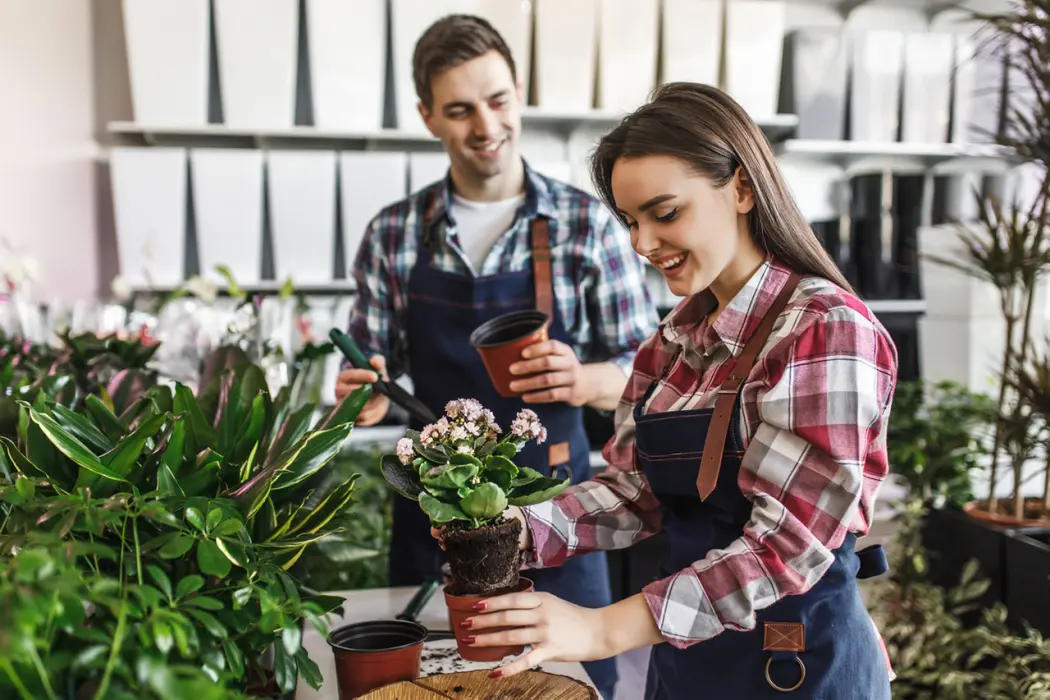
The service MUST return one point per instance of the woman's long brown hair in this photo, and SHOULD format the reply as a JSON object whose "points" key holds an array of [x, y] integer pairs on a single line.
{"points": [[706, 129]]}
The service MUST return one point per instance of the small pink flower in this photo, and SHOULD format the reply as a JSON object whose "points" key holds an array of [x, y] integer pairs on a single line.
{"points": [[405, 450], [526, 426], [460, 433]]}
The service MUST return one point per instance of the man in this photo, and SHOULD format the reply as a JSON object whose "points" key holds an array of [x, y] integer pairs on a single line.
{"points": [[492, 237]]}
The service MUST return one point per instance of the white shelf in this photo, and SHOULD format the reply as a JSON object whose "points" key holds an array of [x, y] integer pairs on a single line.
{"points": [[265, 287], [859, 157], [897, 306], [776, 128]]}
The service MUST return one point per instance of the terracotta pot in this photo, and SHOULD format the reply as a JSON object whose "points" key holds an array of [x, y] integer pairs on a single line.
{"points": [[1005, 518], [369, 655], [500, 341], [460, 607]]}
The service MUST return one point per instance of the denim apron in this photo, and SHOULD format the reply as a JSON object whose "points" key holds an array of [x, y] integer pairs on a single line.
{"points": [[821, 644], [444, 308]]}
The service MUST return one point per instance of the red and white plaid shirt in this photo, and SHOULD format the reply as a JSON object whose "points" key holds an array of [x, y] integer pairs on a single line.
{"points": [[814, 416]]}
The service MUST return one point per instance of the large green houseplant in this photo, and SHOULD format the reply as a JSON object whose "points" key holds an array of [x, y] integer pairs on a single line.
{"points": [[186, 511]]}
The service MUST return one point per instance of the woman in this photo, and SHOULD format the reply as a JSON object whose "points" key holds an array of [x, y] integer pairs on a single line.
{"points": [[753, 431]]}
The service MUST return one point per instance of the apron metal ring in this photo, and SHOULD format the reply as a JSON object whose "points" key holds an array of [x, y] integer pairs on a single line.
{"points": [[769, 679]]}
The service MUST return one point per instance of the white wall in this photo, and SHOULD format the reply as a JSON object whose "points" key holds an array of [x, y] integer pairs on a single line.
{"points": [[47, 145]]}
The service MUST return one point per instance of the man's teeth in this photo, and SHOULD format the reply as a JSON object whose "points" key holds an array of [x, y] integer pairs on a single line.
{"points": [[491, 146], [672, 262]]}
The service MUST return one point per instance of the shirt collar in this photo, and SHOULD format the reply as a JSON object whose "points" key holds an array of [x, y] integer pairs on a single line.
{"points": [[539, 200], [737, 321]]}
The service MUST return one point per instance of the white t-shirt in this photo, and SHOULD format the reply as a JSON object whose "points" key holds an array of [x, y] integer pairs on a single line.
{"points": [[480, 224]]}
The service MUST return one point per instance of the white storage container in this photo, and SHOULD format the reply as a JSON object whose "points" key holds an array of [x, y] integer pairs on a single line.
{"points": [[627, 51], [149, 203], [928, 58], [167, 52], [692, 41], [877, 58], [258, 48], [368, 181], [754, 50], [348, 78], [566, 54], [228, 201], [302, 214]]}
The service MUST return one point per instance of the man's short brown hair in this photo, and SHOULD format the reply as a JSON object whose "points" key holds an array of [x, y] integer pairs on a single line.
{"points": [[449, 42]]}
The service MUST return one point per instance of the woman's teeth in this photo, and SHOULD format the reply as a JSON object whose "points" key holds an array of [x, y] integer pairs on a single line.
{"points": [[671, 262]]}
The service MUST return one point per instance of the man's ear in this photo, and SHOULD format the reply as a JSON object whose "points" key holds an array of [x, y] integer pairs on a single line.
{"points": [[427, 116], [745, 193]]}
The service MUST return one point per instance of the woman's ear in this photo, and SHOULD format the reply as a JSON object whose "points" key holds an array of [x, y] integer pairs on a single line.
{"points": [[745, 194]]}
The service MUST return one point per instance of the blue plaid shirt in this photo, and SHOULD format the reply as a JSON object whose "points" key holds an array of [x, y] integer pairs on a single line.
{"points": [[599, 281]]}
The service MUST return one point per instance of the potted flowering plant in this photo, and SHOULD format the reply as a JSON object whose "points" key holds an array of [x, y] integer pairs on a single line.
{"points": [[461, 470]]}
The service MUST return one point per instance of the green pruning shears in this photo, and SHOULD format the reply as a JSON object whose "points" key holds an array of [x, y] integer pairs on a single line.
{"points": [[402, 398]]}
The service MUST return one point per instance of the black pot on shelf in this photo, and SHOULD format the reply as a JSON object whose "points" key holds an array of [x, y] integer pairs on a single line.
{"points": [[952, 539], [1027, 590]]}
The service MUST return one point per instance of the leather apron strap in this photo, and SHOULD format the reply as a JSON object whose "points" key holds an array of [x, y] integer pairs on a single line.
{"points": [[711, 460], [539, 233]]}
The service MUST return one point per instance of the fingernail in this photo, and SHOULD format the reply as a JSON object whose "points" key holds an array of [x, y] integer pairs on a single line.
{"points": [[479, 606], [466, 624], [498, 673], [470, 640]]}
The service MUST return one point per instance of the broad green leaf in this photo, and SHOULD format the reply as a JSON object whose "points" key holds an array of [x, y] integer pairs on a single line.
{"points": [[234, 552], [214, 518], [333, 504], [308, 669], [284, 668], [439, 512], [238, 389], [312, 453], [220, 360], [212, 561], [464, 458], [450, 476], [205, 478], [161, 579], [177, 547], [42, 453], [73, 448], [122, 458], [83, 429], [204, 603], [25, 487], [20, 462], [210, 623], [347, 410], [199, 433], [195, 518], [234, 658], [401, 477], [127, 387], [162, 636], [288, 434], [537, 491], [291, 638], [526, 476], [108, 421], [486, 501], [227, 528], [241, 596], [506, 449], [189, 584], [252, 432], [171, 460]]}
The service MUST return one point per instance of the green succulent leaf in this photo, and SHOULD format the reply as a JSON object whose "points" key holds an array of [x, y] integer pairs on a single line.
{"points": [[486, 501], [450, 476], [403, 478], [211, 560], [439, 512], [537, 491]]}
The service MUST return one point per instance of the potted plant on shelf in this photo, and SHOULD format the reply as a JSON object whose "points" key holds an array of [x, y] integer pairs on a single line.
{"points": [[1009, 248], [462, 472]]}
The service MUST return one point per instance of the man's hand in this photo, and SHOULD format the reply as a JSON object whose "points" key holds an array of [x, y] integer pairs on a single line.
{"points": [[376, 407], [559, 376]]}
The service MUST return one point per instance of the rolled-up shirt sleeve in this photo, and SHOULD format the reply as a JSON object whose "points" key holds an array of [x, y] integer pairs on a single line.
{"points": [[612, 510], [822, 413]]}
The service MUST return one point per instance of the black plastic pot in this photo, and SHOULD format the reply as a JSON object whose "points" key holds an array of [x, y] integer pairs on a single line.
{"points": [[1028, 578], [953, 539]]}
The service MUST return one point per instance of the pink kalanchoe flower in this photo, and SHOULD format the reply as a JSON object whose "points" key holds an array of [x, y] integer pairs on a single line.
{"points": [[459, 433], [527, 426], [405, 451]]}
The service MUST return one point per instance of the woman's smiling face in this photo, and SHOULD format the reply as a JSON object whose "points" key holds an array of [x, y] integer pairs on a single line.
{"points": [[688, 227]]}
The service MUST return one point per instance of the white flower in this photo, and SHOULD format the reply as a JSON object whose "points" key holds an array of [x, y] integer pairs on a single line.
{"points": [[453, 409], [120, 288], [526, 425], [465, 448], [472, 428], [405, 450], [435, 432], [202, 288], [460, 433]]}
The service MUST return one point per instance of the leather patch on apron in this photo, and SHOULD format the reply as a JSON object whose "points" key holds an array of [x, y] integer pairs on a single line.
{"points": [[784, 636], [558, 453]]}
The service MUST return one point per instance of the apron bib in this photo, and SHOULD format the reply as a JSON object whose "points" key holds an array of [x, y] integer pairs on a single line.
{"points": [[444, 308], [821, 645]]}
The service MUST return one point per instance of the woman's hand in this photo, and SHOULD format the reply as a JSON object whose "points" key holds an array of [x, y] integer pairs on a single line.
{"points": [[556, 630], [524, 540]]}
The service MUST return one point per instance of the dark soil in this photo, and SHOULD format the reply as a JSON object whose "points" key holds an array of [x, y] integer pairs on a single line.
{"points": [[485, 560]]}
